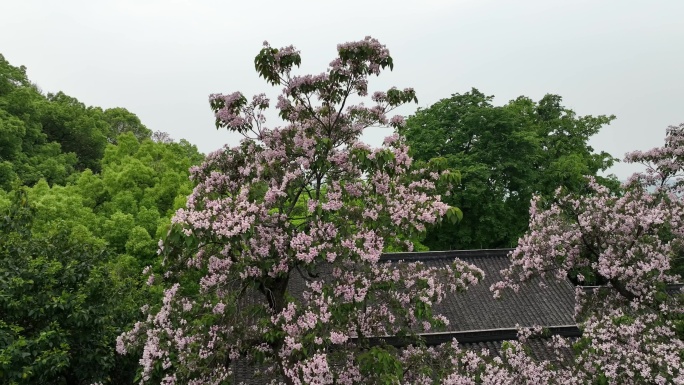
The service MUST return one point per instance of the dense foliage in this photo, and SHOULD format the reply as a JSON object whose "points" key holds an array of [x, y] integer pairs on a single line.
{"points": [[63, 302], [52, 136], [73, 240], [505, 155]]}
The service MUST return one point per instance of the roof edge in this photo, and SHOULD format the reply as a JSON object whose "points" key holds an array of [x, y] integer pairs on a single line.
{"points": [[447, 254], [670, 288], [476, 336]]}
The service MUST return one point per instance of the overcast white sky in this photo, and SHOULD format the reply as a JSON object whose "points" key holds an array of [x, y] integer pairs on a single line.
{"points": [[161, 59]]}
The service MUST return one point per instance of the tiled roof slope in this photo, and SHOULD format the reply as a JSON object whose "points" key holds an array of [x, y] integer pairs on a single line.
{"points": [[543, 302], [477, 320], [539, 349], [549, 304]]}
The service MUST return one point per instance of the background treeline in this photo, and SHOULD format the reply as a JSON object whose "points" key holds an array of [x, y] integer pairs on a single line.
{"points": [[86, 193]]}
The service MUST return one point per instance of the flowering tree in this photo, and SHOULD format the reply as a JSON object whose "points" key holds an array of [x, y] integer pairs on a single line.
{"points": [[624, 244], [627, 243], [305, 202]]}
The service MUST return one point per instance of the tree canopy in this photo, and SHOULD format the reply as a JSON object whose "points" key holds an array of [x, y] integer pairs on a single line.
{"points": [[61, 304], [52, 136], [505, 155], [85, 195], [70, 262]]}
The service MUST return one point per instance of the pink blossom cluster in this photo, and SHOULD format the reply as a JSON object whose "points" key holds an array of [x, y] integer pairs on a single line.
{"points": [[618, 347], [623, 243], [456, 365], [630, 347], [615, 237], [663, 164]]}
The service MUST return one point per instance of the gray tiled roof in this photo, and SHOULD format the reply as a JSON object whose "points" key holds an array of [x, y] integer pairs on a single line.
{"points": [[478, 320], [539, 349], [550, 305]]}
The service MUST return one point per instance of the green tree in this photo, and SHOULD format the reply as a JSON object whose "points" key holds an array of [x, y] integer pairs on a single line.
{"points": [[90, 188], [121, 120], [11, 77], [505, 154], [141, 246], [61, 307], [26, 154], [117, 229], [140, 185], [102, 193], [60, 206], [75, 135], [155, 173], [77, 128]]}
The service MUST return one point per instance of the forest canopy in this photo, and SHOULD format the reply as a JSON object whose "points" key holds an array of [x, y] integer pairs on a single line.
{"points": [[85, 195], [506, 155]]}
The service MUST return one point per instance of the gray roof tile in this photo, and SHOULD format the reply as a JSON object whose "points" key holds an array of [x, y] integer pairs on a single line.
{"points": [[538, 349], [475, 316], [475, 309]]}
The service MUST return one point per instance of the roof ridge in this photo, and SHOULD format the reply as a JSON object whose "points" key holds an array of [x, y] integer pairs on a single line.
{"points": [[670, 287], [477, 336], [445, 254]]}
